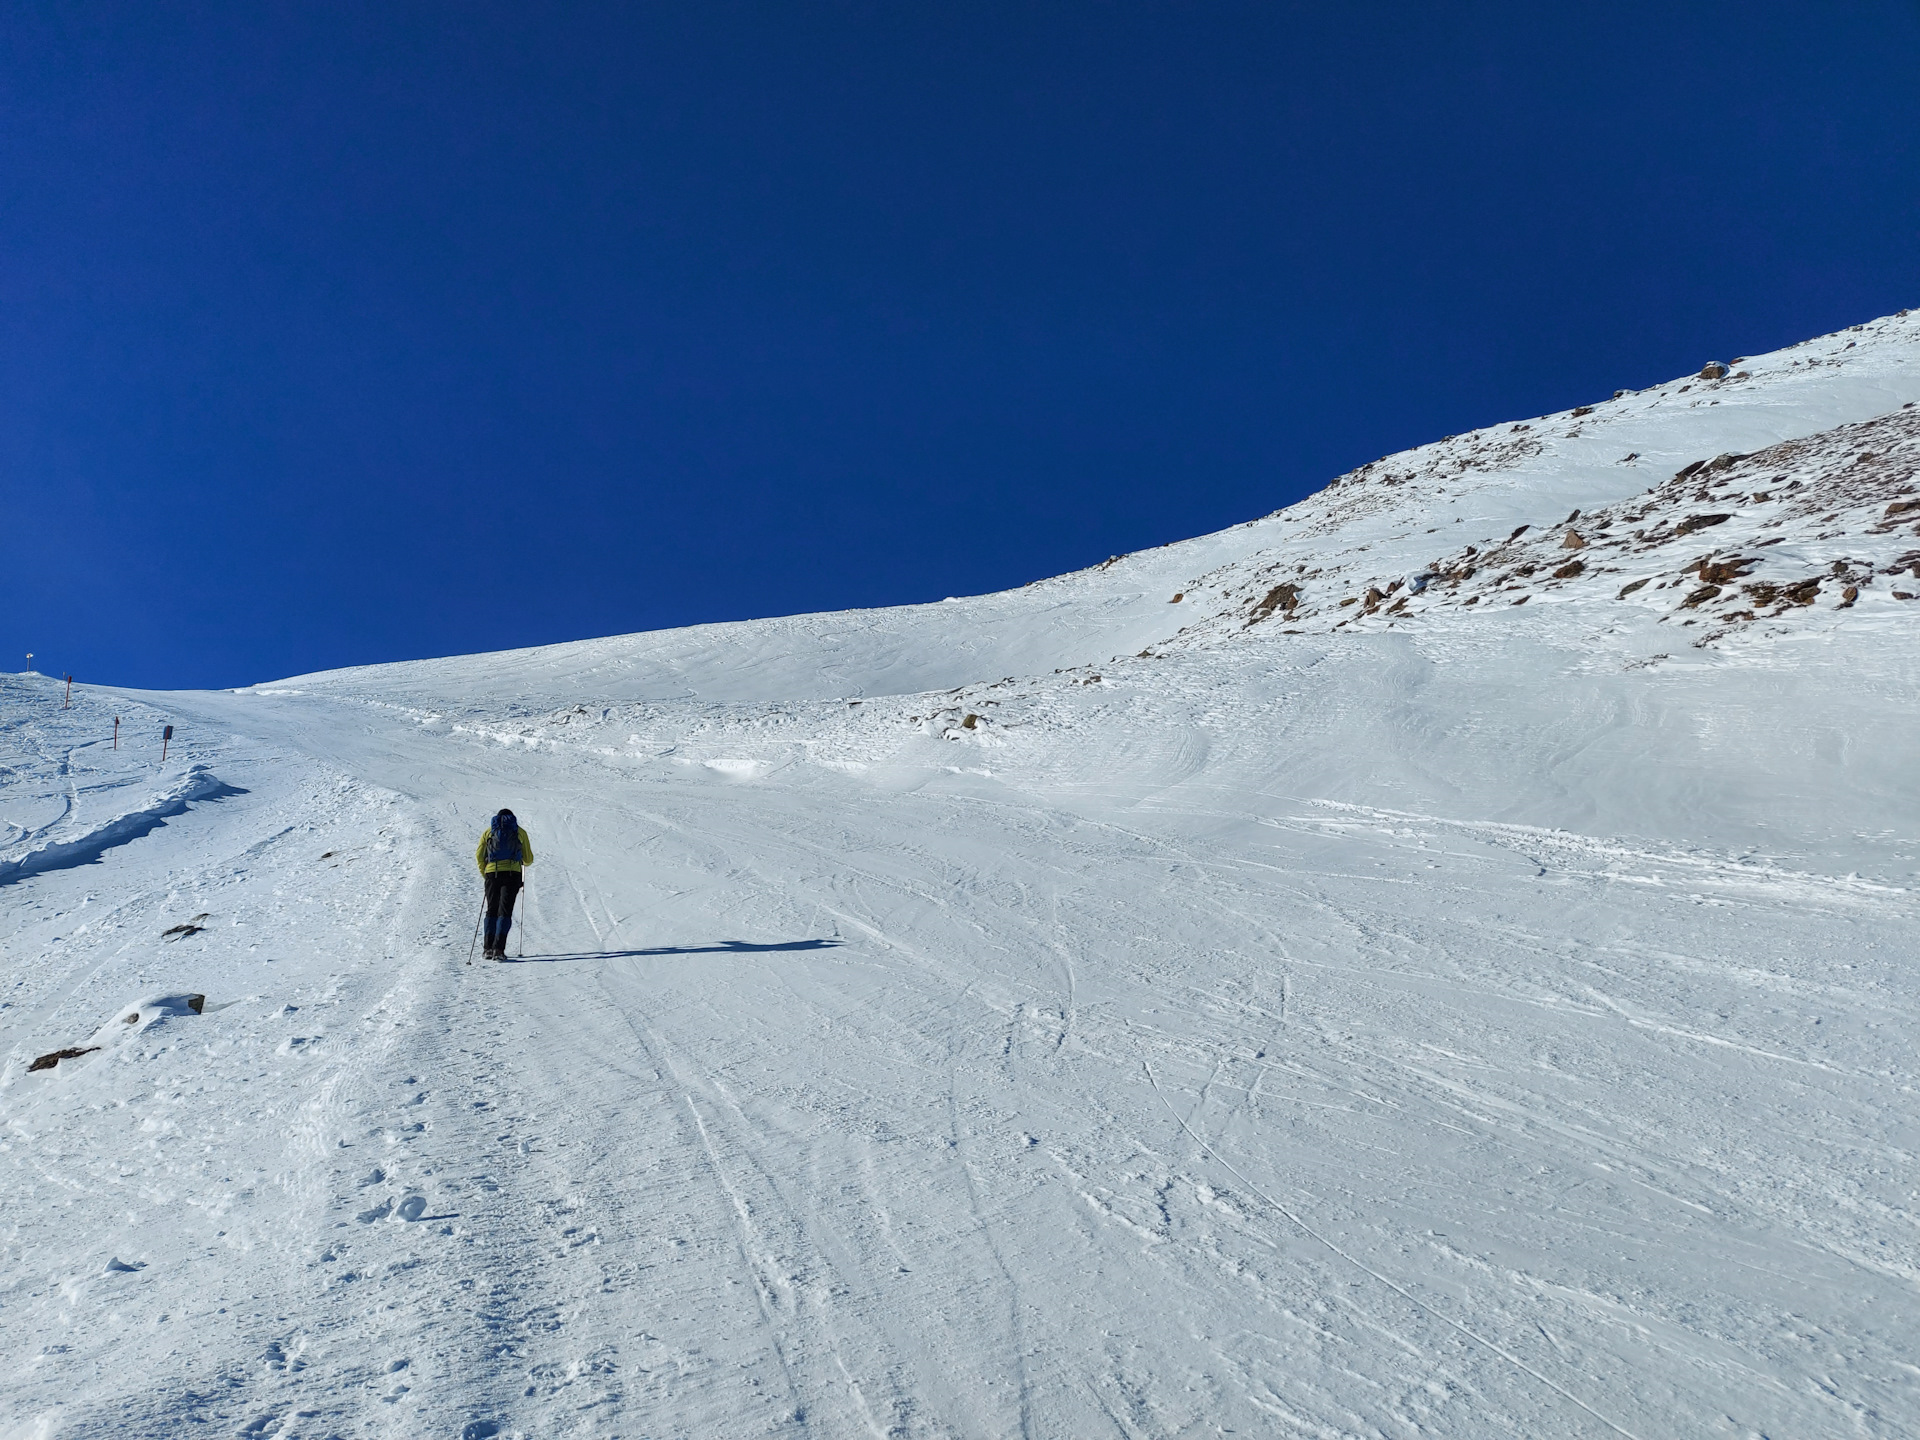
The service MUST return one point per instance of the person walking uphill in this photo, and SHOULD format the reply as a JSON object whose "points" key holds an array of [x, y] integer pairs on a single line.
{"points": [[503, 853]]}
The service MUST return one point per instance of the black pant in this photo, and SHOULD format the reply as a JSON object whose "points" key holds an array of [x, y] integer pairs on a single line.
{"points": [[503, 888]]}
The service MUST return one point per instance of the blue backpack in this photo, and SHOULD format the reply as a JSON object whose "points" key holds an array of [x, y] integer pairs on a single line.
{"points": [[504, 841]]}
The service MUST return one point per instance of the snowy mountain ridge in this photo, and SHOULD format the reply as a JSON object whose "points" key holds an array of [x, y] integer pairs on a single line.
{"points": [[1447, 973], [1486, 483]]}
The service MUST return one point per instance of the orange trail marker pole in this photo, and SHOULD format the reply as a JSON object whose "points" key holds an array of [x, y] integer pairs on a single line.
{"points": [[166, 737]]}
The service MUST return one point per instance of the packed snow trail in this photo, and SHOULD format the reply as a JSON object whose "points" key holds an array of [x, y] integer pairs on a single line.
{"points": [[1501, 1027]]}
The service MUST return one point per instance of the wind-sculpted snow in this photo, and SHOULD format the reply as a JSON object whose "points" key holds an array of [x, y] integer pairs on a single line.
{"points": [[88, 842], [1075, 1011]]}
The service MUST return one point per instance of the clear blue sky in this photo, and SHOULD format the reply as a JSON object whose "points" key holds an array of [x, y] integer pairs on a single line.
{"points": [[333, 333]]}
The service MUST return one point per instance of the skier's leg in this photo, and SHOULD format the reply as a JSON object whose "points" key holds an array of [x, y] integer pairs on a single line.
{"points": [[509, 892], [495, 937]]}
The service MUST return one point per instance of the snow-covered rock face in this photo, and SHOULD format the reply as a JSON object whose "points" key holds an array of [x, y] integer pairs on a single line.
{"points": [[1833, 516], [1433, 960]]}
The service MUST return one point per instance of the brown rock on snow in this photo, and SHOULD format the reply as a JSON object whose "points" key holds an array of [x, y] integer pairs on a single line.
{"points": [[1569, 570], [1725, 571], [1281, 597], [1714, 370], [1573, 541], [48, 1061]]}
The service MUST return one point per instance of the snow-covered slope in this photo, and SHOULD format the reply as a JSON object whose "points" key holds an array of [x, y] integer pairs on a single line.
{"points": [[1387, 520], [1430, 977]]}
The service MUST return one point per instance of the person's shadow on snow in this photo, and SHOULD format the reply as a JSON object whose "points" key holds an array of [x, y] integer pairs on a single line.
{"points": [[719, 947]]}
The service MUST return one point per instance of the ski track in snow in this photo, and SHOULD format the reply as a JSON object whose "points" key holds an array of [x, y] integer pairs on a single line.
{"points": [[1029, 1015]]}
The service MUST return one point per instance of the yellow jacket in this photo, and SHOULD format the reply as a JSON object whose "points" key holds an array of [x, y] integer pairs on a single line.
{"points": [[488, 867]]}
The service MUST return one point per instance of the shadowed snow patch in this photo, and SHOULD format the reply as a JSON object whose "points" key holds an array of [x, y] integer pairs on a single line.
{"points": [[198, 783]]}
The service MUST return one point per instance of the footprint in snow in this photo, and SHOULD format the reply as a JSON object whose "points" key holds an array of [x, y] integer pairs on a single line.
{"points": [[378, 1212]]}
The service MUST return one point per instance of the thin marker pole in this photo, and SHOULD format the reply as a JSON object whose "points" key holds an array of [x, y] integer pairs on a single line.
{"points": [[166, 738], [116, 732], [67, 704]]}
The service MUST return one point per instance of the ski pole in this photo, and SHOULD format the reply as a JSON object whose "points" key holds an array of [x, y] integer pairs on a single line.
{"points": [[525, 910], [476, 933]]}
